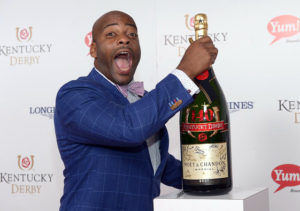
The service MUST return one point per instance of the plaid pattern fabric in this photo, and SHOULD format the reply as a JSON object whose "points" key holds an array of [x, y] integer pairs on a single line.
{"points": [[101, 139]]}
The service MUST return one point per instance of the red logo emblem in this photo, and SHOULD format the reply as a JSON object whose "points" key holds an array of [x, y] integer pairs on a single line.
{"points": [[88, 40], [25, 162], [287, 175], [189, 22], [283, 26], [24, 34], [202, 137]]}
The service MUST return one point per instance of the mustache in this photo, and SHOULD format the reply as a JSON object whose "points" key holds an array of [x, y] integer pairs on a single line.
{"points": [[123, 48]]}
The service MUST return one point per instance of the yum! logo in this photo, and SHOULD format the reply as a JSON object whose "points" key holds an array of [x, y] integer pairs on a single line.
{"points": [[287, 175], [283, 26], [88, 39]]}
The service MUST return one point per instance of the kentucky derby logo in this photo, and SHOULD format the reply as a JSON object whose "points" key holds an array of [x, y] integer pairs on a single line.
{"points": [[24, 34], [189, 22], [25, 163], [180, 41], [24, 51], [26, 179], [291, 107]]}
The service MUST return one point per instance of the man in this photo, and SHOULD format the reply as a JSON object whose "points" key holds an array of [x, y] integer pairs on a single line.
{"points": [[112, 141]]}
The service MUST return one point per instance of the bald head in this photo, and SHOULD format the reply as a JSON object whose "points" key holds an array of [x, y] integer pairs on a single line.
{"points": [[108, 20], [116, 47]]}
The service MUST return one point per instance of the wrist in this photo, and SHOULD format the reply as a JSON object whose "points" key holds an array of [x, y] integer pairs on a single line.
{"points": [[187, 72]]}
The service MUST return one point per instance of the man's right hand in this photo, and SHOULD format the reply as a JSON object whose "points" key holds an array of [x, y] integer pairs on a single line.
{"points": [[198, 57]]}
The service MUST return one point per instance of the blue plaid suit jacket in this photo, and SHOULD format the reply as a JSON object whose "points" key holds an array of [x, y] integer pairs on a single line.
{"points": [[101, 139]]}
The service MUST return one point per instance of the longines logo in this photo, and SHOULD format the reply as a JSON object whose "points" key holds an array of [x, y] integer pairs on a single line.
{"points": [[240, 105], [284, 26], [26, 52], [291, 106], [181, 41], [88, 39], [27, 181], [286, 175], [47, 111]]}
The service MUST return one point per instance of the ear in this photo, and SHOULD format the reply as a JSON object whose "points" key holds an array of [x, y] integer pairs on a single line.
{"points": [[93, 50]]}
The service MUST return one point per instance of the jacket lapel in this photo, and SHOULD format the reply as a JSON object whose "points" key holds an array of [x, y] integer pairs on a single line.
{"points": [[99, 79]]}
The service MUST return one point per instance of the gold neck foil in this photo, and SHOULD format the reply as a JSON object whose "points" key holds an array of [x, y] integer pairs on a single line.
{"points": [[200, 25]]}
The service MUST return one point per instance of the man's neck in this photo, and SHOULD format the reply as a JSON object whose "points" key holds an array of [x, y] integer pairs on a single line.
{"points": [[104, 76], [108, 79]]}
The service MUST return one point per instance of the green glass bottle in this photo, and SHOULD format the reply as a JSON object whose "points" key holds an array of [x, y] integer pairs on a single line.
{"points": [[205, 134]]}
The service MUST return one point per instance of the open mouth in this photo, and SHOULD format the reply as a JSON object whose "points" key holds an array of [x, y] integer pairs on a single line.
{"points": [[123, 61]]}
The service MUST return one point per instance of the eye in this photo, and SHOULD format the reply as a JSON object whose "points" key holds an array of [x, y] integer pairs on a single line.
{"points": [[133, 34], [110, 34]]}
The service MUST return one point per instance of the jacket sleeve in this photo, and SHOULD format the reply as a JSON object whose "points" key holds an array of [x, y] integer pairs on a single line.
{"points": [[172, 175], [87, 116]]}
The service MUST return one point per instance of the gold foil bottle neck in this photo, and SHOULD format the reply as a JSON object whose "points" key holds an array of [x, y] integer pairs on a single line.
{"points": [[200, 25]]}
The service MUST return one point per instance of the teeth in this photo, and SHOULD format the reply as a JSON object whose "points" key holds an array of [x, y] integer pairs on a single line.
{"points": [[123, 53]]}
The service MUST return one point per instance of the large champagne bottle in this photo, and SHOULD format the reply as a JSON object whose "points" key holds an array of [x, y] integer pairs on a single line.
{"points": [[205, 134]]}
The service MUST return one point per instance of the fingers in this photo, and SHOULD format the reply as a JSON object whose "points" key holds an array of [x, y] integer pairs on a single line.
{"points": [[213, 59], [210, 47], [214, 56], [199, 56], [214, 52], [205, 39], [205, 42]]}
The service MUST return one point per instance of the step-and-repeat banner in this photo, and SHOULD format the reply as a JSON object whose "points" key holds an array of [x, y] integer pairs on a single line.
{"points": [[44, 44]]}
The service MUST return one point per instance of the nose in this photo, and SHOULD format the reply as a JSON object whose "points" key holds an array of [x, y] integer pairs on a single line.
{"points": [[124, 40]]}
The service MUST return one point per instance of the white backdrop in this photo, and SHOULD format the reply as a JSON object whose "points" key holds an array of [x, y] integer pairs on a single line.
{"points": [[43, 44]]}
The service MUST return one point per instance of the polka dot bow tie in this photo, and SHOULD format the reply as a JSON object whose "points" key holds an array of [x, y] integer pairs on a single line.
{"points": [[134, 87]]}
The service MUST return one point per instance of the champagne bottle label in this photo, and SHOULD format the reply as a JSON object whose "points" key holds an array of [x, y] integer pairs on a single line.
{"points": [[202, 127], [204, 161], [204, 133]]}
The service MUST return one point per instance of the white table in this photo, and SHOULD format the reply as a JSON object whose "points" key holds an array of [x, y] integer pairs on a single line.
{"points": [[256, 199]]}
